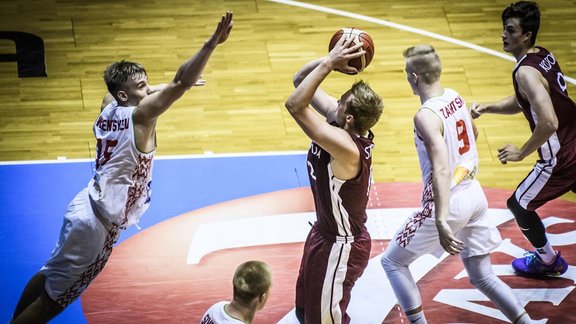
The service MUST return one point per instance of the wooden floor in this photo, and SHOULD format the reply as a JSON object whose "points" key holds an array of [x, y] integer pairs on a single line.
{"points": [[241, 108]]}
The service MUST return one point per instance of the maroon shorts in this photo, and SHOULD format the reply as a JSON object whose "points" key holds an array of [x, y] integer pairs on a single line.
{"points": [[548, 180], [330, 266]]}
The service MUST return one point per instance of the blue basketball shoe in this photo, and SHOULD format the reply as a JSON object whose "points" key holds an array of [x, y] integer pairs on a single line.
{"points": [[531, 265]]}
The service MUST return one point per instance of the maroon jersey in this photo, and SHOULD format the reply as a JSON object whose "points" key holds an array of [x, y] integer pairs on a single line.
{"points": [[564, 140], [340, 204]]}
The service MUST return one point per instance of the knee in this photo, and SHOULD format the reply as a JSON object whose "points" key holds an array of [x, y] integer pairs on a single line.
{"points": [[484, 282], [513, 204], [51, 307], [385, 262], [477, 282], [388, 264], [395, 258], [519, 213], [525, 218]]}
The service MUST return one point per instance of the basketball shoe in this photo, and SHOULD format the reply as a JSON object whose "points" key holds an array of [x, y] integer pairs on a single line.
{"points": [[531, 265]]}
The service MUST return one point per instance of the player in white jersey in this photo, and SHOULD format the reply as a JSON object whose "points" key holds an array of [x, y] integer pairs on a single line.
{"points": [[218, 314], [252, 282], [119, 192], [453, 214]]}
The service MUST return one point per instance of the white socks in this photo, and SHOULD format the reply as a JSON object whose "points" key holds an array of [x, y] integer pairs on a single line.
{"points": [[546, 253]]}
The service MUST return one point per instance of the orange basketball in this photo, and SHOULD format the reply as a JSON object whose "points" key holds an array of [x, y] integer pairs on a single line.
{"points": [[358, 35]]}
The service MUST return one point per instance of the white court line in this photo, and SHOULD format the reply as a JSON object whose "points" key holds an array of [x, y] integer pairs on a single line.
{"points": [[404, 28], [327, 10]]}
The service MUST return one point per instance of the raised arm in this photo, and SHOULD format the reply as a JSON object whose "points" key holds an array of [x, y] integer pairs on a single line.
{"points": [[187, 75], [335, 140], [323, 103], [109, 98], [429, 127]]}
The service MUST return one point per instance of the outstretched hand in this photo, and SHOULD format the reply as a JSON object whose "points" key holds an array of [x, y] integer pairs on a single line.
{"points": [[342, 53], [476, 110], [222, 30]]}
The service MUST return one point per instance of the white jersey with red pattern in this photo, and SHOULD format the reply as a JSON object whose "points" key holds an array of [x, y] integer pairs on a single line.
{"points": [[120, 190], [458, 136], [467, 215]]}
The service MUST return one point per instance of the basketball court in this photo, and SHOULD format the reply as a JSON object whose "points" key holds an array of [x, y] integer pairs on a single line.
{"points": [[211, 213], [230, 179]]}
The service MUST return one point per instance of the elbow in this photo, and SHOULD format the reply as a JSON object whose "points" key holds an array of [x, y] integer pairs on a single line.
{"points": [[550, 126], [182, 82], [178, 83], [554, 125], [444, 173], [184, 85], [297, 79], [294, 106], [290, 106], [441, 172]]}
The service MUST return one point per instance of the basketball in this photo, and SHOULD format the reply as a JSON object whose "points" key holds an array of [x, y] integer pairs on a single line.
{"points": [[358, 35]]}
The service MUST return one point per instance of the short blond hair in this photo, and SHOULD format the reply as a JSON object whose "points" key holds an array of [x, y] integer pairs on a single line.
{"points": [[424, 61], [251, 280], [366, 106]]}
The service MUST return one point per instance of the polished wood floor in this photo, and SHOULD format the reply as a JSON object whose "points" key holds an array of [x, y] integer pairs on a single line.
{"points": [[241, 108]]}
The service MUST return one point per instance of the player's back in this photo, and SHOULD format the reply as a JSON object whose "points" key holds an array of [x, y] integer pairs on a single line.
{"points": [[458, 135]]}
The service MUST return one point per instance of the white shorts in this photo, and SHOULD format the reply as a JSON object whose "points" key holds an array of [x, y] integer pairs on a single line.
{"points": [[84, 246], [467, 218]]}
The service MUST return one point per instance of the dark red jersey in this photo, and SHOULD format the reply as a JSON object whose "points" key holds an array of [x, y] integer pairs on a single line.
{"points": [[565, 137], [340, 204]]}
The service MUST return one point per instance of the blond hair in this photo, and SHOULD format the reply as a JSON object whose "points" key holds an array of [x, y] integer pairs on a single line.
{"points": [[423, 60], [366, 106], [251, 280]]}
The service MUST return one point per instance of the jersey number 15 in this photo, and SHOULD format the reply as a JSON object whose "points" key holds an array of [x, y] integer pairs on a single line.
{"points": [[103, 154]]}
